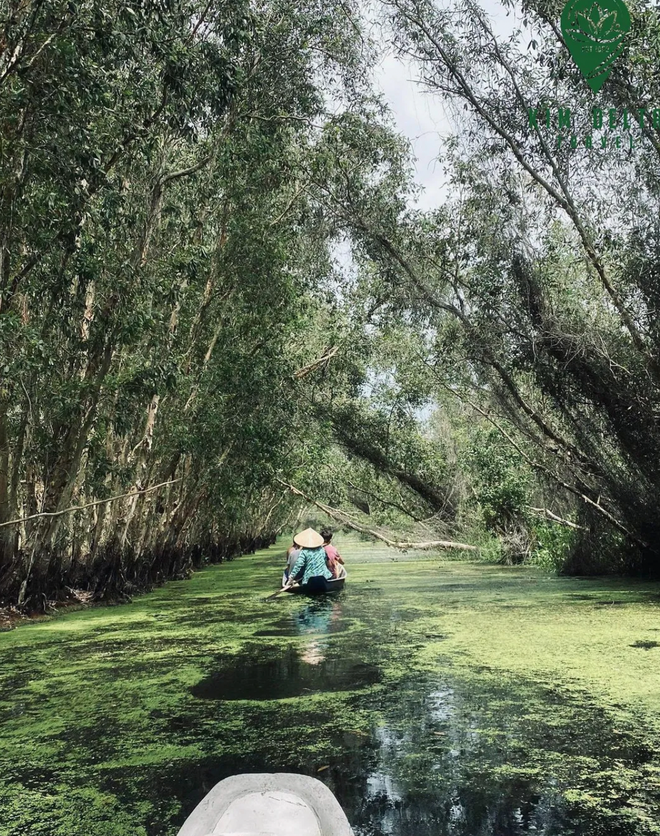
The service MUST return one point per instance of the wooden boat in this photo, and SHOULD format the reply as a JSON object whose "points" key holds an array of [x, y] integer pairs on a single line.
{"points": [[280, 804], [320, 586], [328, 587]]}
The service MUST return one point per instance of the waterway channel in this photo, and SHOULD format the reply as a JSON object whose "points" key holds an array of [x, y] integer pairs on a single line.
{"points": [[433, 697]]}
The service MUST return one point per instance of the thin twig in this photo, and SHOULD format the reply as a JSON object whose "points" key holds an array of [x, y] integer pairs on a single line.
{"points": [[87, 505]]}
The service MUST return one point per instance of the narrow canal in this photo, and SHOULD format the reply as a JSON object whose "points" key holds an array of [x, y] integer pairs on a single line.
{"points": [[432, 696]]}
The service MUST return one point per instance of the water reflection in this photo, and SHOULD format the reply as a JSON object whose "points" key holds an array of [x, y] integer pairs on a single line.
{"points": [[442, 759], [280, 673], [440, 762], [316, 621], [320, 615], [410, 779]]}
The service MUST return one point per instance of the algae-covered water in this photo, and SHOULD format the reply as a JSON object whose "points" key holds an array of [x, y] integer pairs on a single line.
{"points": [[432, 696]]}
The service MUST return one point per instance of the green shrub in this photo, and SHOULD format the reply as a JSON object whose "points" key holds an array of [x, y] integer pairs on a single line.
{"points": [[501, 482], [553, 546]]}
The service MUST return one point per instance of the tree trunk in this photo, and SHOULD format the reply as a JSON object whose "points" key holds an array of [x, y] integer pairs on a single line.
{"points": [[6, 534]]}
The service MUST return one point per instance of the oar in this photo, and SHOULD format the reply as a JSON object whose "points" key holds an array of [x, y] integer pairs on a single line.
{"points": [[279, 592]]}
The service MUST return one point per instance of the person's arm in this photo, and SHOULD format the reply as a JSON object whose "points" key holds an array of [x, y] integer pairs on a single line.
{"points": [[297, 566], [339, 558]]}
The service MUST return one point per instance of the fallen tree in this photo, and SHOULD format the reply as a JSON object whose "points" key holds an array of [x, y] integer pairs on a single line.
{"points": [[350, 522]]}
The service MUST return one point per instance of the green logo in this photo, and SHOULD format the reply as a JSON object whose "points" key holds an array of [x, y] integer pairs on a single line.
{"points": [[594, 31]]}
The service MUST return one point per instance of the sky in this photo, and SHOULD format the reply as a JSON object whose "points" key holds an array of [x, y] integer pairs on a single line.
{"points": [[422, 119], [421, 116]]}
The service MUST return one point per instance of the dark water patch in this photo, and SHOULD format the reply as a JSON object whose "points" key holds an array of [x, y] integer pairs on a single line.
{"points": [[454, 587], [29, 775], [16, 677], [280, 674], [552, 720], [96, 737], [283, 629], [98, 646], [405, 615], [14, 704], [439, 762]]}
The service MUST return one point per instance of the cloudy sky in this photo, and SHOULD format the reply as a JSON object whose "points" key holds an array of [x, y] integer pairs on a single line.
{"points": [[421, 116]]}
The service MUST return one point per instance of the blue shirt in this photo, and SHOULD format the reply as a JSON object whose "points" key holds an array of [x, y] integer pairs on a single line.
{"points": [[313, 563]]}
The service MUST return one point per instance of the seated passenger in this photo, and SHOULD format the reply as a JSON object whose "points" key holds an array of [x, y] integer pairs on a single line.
{"points": [[310, 569], [292, 554], [334, 560]]}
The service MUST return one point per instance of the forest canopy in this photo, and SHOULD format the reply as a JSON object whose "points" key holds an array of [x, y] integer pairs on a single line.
{"points": [[215, 284]]}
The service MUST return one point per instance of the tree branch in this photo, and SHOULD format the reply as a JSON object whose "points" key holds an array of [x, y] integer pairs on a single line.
{"points": [[74, 508]]}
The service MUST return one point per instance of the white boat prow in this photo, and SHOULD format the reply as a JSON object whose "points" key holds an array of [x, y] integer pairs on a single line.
{"points": [[279, 804]]}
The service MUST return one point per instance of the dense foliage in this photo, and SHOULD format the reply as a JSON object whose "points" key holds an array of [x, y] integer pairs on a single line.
{"points": [[159, 260], [214, 283], [531, 292]]}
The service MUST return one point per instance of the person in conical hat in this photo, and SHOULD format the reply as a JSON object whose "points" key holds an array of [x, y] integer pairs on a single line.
{"points": [[308, 539], [311, 568]]}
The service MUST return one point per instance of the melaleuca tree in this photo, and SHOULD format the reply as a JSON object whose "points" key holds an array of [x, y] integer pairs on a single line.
{"points": [[536, 280], [161, 254]]}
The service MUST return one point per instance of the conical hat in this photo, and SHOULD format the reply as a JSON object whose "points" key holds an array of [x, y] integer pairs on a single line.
{"points": [[308, 539]]}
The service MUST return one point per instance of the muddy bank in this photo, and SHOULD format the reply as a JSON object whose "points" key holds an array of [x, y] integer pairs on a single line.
{"points": [[114, 576]]}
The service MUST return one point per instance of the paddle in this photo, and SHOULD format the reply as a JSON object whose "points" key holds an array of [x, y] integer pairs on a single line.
{"points": [[279, 592]]}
